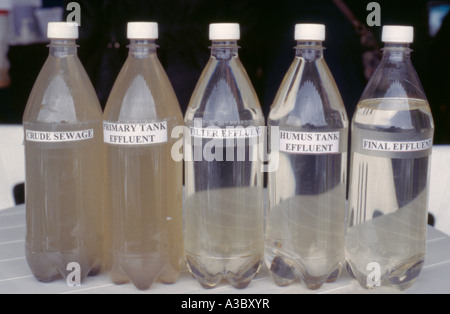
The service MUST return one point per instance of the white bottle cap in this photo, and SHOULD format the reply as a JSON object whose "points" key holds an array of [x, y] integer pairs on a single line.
{"points": [[224, 31], [310, 32], [142, 30], [397, 34], [62, 30]]}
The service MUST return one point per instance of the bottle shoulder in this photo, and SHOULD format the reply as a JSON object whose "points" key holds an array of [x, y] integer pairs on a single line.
{"points": [[394, 79], [393, 114], [142, 92], [224, 94], [63, 93], [308, 97]]}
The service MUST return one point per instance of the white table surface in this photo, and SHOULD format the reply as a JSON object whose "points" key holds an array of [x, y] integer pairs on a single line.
{"points": [[16, 278]]}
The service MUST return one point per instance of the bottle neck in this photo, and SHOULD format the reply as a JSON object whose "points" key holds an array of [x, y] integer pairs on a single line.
{"points": [[309, 50], [395, 52], [395, 77], [142, 49], [224, 50], [61, 48]]}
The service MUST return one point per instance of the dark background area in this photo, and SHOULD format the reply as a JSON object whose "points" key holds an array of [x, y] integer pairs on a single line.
{"points": [[267, 29]]}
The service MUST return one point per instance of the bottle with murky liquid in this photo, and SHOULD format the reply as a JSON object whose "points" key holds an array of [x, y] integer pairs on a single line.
{"points": [[63, 153], [143, 182], [224, 183], [392, 135], [307, 193]]}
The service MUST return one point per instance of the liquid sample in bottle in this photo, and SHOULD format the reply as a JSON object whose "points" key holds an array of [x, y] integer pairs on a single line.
{"points": [[63, 154], [307, 193], [144, 187], [224, 183], [392, 134]]}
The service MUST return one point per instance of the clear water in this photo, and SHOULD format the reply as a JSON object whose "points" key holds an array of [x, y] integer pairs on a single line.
{"points": [[307, 193], [224, 236], [224, 217], [389, 193], [305, 229]]}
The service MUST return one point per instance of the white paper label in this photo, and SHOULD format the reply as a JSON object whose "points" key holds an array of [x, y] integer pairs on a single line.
{"points": [[135, 133], [309, 142], [57, 137], [389, 146], [227, 132]]}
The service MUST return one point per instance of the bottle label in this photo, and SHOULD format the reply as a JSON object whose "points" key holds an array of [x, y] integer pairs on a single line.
{"points": [[135, 133], [58, 137], [393, 145], [226, 143], [310, 142], [232, 132]]}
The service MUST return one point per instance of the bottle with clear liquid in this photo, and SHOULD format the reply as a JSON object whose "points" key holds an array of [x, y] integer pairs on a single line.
{"points": [[392, 135], [224, 236], [143, 183], [63, 154], [307, 193]]}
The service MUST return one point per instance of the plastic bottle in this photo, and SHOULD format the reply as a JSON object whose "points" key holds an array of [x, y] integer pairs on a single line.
{"points": [[392, 135], [144, 185], [63, 153], [224, 236], [307, 193]]}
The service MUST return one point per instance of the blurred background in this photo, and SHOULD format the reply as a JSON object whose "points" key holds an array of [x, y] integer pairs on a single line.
{"points": [[267, 29]]}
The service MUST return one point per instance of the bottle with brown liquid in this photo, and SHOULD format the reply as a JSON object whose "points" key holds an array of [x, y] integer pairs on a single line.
{"points": [[63, 153], [143, 182]]}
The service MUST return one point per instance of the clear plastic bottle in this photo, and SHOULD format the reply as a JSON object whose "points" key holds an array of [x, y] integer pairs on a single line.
{"points": [[392, 134], [307, 193], [63, 153], [144, 185], [224, 235]]}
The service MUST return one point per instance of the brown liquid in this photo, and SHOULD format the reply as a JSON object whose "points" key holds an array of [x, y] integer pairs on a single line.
{"points": [[143, 183], [63, 177], [63, 185], [145, 201]]}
